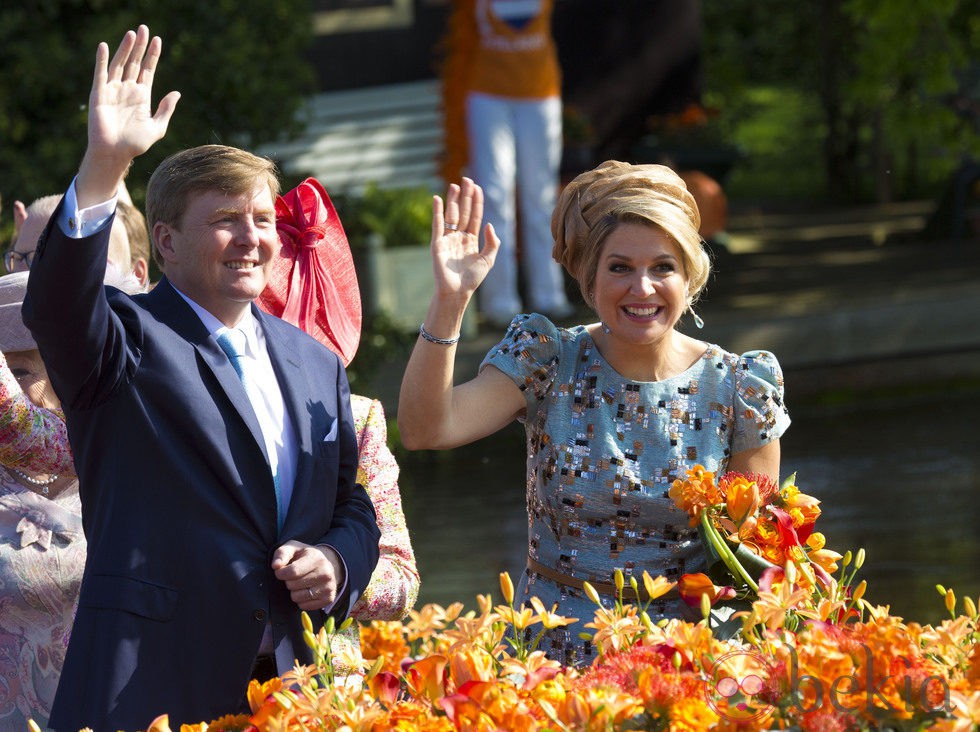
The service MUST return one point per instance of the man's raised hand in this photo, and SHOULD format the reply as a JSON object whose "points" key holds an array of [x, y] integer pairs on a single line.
{"points": [[121, 123]]}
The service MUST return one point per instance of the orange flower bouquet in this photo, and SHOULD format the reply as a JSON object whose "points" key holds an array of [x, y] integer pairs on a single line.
{"points": [[451, 670], [749, 526]]}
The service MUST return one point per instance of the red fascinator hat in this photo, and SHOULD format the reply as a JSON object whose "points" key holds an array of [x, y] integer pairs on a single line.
{"points": [[312, 282]]}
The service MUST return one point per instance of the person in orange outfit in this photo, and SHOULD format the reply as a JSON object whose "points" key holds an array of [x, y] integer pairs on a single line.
{"points": [[502, 65]]}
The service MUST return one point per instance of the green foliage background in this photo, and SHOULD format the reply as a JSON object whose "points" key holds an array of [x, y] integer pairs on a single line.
{"points": [[400, 216], [848, 99], [239, 65]]}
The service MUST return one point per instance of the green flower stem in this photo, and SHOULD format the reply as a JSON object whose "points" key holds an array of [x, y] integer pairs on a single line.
{"points": [[725, 552]]}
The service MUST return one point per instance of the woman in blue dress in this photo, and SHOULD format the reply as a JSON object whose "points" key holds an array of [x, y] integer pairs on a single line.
{"points": [[615, 410]]}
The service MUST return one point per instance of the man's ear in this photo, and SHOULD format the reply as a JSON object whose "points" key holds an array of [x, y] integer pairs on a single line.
{"points": [[20, 216], [142, 270], [163, 241]]}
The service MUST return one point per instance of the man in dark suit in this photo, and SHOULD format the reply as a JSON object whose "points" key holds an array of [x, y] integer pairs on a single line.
{"points": [[217, 484]]}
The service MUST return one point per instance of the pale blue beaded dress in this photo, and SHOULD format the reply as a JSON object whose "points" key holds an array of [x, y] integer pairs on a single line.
{"points": [[603, 450]]}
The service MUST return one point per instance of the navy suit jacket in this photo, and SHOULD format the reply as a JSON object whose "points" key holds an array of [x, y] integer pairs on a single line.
{"points": [[178, 503]]}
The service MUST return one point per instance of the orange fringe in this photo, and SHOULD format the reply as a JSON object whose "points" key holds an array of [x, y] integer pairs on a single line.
{"points": [[457, 50]]}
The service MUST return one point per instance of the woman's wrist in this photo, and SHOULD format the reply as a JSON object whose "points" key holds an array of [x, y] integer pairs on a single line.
{"points": [[426, 335], [444, 318]]}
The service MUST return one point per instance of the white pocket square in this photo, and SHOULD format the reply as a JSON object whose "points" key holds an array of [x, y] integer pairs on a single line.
{"points": [[332, 434]]}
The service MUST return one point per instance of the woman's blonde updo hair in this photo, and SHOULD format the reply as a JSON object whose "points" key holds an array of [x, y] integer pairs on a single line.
{"points": [[598, 201]]}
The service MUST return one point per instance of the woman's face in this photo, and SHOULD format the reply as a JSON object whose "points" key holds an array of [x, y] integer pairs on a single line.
{"points": [[640, 287], [28, 369]]}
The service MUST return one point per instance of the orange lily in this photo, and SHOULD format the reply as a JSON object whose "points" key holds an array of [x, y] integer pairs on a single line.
{"points": [[160, 724], [536, 669], [966, 710], [385, 687], [792, 497], [471, 664], [507, 587], [656, 587], [520, 619], [692, 587], [826, 559], [777, 597], [227, 723], [549, 618], [426, 678], [465, 713], [743, 499], [258, 693]]}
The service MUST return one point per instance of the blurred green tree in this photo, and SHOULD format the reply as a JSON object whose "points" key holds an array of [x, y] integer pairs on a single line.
{"points": [[881, 73], [239, 65]]}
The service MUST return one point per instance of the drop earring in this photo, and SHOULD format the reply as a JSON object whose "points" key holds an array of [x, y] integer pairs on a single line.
{"points": [[698, 322], [591, 303]]}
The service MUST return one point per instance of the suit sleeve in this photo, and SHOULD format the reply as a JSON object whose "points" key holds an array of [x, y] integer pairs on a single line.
{"points": [[354, 531], [81, 342]]}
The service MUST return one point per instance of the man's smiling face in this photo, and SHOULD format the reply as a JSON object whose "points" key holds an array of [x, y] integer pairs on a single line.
{"points": [[221, 255]]}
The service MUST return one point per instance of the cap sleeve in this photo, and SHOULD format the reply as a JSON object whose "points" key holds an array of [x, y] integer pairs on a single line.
{"points": [[760, 412], [528, 354]]}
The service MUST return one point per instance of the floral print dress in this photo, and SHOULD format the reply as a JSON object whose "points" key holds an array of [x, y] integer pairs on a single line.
{"points": [[602, 452], [42, 555]]}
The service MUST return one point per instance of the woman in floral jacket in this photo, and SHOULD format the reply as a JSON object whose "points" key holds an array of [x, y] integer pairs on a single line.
{"points": [[394, 585]]}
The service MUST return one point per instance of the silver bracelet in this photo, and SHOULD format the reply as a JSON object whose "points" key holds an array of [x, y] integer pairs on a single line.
{"points": [[432, 339]]}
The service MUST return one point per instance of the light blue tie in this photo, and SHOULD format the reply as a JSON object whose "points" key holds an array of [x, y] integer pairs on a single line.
{"points": [[232, 342]]}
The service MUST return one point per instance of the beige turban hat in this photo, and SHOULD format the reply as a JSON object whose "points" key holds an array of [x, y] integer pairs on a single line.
{"points": [[595, 202]]}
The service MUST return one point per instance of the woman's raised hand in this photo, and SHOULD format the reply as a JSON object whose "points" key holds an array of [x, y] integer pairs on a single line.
{"points": [[459, 264]]}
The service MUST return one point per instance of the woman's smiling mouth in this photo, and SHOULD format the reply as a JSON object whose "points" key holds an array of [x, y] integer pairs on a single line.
{"points": [[642, 311]]}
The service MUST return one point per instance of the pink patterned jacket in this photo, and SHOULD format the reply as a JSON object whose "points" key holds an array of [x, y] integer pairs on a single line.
{"points": [[394, 585], [30, 436]]}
